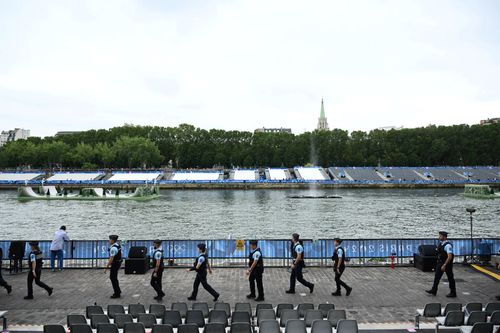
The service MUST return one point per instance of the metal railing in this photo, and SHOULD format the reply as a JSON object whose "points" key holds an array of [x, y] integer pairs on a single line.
{"points": [[277, 252]]}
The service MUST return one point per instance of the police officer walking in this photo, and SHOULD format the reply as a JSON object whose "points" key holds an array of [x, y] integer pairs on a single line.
{"points": [[115, 262], [256, 264], [158, 270], [4, 283], [35, 264], [298, 265], [444, 264], [201, 265], [339, 267]]}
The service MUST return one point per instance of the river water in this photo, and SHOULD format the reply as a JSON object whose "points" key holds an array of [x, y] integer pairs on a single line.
{"points": [[207, 214]]}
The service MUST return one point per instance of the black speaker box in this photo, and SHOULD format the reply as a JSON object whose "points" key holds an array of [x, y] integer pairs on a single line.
{"points": [[138, 252], [427, 250], [424, 263], [136, 266]]}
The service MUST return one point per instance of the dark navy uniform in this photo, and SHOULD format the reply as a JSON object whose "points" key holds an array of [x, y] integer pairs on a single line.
{"points": [[444, 248], [115, 251], [4, 283], [297, 271], [256, 274], [339, 253], [156, 278], [201, 277], [36, 256]]}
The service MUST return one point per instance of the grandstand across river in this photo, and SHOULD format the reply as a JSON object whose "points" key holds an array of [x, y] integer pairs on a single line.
{"points": [[279, 177]]}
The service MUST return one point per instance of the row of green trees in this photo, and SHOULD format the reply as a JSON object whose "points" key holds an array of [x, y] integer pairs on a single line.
{"points": [[186, 146]]}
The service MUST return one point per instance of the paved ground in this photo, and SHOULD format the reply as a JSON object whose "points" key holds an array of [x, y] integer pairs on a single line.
{"points": [[380, 295]]}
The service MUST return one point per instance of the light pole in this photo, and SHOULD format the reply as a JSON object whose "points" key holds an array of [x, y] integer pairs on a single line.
{"points": [[471, 210]]}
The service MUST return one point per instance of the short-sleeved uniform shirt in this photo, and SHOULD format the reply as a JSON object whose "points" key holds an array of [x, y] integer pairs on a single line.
{"points": [[32, 257], [448, 248], [256, 255], [340, 252], [113, 251], [201, 260], [158, 254], [299, 249]]}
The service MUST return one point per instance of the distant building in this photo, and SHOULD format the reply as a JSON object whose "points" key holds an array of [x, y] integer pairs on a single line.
{"points": [[66, 133], [490, 121], [388, 128], [322, 122], [13, 135], [273, 130]]}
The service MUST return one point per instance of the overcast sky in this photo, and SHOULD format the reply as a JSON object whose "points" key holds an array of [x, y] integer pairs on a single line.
{"points": [[77, 65]]}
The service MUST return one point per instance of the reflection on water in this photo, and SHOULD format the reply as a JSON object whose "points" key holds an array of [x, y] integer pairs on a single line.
{"points": [[195, 214]]}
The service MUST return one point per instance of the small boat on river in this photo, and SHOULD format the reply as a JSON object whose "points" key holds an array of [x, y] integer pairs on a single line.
{"points": [[142, 193]]}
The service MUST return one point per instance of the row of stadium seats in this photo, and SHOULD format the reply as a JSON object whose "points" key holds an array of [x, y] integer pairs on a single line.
{"points": [[465, 317]]}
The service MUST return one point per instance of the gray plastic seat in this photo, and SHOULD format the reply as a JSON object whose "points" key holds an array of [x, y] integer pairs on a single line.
{"points": [[115, 309], [269, 326], [54, 329], [223, 306], [263, 306], [135, 309], [134, 328], [288, 315], [74, 319], [218, 316], [240, 328], [303, 307], [172, 317], [80, 328], [325, 307], [243, 307], [347, 326], [107, 328], [202, 306], [478, 328], [283, 306], [157, 309], [214, 328], [430, 310], [97, 319], [93, 310], [122, 318], [321, 326], [476, 317], [188, 328], [164, 328], [495, 318], [492, 307], [265, 314], [295, 326], [195, 317], [452, 318], [240, 317], [181, 307], [473, 306], [334, 316], [452, 307], [312, 315], [147, 319]]}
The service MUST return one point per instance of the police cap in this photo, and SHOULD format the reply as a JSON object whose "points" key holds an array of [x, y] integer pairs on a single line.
{"points": [[113, 237]]}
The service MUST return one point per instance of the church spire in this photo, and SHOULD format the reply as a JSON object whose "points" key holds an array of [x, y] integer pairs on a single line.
{"points": [[322, 121]]}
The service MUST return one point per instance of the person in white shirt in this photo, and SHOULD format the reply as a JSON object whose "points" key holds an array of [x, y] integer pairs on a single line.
{"points": [[57, 246]]}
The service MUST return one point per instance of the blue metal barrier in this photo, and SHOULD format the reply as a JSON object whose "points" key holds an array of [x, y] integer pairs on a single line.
{"points": [[92, 253]]}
